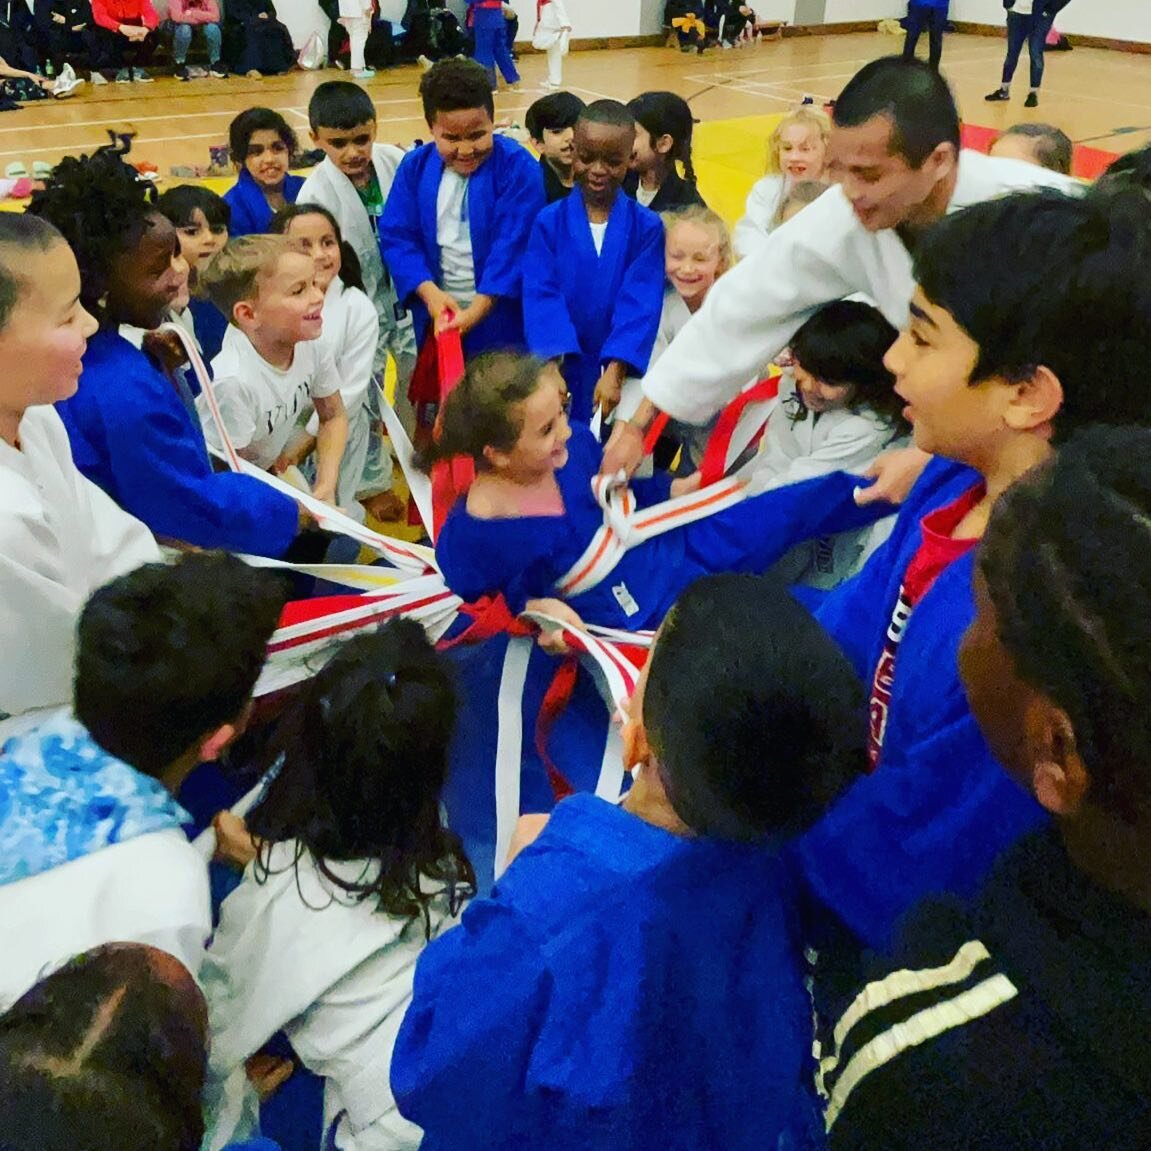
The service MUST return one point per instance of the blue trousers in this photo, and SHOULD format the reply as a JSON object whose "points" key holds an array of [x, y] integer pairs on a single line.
{"points": [[492, 44], [182, 41], [922, 17], [1030, 30]]}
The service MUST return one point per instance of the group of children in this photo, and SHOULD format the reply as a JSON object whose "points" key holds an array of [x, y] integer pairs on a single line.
{"points": [[809, 763]]}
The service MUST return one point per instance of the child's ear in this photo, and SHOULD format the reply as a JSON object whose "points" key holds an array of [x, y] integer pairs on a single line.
{"points": [[664, 144], [312, 136], [243, 313], [1036, 401], [213, 745], [496, 459], [636, 749]]}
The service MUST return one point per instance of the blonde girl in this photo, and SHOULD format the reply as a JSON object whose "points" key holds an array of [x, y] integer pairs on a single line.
{"points": [[796, 152]]}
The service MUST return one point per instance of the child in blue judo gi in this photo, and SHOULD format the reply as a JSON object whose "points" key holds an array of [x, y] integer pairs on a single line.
{"points": [[132, 426], [262, 146], [635, 980], [594, 272], [1001, 361], [456, 223], [530, 517]]}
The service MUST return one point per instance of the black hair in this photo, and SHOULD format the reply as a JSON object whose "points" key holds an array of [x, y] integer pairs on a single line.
{"points": [[610, 112], [101, 208], [480, 410], [1067, 562], [168, 653], [755, 716], [1043, 278], [350, 272], [1053, 147], [666, 114], [843, 344], [554, 112], [912, 95], [19, 235], [363, 759], [179, 204], [104, 1055], [340, 105], [1132, 169], [253, 120], [453, 85]]}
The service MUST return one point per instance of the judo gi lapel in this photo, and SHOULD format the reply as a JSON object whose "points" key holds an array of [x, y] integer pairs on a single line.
{"points": [[482, 210], [429, 191], [257, 208]]}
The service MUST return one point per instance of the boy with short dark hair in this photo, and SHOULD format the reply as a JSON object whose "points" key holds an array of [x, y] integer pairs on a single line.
{"points": [[635, 980], [1016, 1023], [167, 659], [272, 363], [455, 228], [1001, 362], [550, 123], [594, 273]]}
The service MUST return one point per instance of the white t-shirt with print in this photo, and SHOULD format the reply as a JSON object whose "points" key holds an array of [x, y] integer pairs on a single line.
{"points": [[261, 404]]}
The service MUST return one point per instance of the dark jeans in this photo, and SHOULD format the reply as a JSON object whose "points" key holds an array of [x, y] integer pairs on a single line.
{"points": [[1030, 30], [112, 51], [921, 18], [64, 45]]}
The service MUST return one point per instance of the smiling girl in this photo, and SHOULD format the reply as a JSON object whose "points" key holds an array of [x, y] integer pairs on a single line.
{"points": [[262, 145], [796, 153]]}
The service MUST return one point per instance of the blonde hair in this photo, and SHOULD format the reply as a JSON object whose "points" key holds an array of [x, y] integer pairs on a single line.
{"points": [[704, 218], [234, 274], [806, 116]]}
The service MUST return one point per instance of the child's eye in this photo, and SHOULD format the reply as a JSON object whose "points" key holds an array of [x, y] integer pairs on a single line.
{"points": [[918, 340]]}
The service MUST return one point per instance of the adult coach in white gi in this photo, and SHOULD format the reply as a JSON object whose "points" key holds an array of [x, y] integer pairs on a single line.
{"points": [[894, 153]]}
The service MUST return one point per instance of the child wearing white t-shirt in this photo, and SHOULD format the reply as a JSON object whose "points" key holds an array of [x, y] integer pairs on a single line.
{"points": [[273, 368]]}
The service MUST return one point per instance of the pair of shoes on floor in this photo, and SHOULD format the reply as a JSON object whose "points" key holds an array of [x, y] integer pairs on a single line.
{"points": [[17, 170], [1002, 95], [133, 76]]}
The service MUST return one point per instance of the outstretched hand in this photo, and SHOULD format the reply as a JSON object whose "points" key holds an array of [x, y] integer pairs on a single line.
{"points": [[895, 473]]}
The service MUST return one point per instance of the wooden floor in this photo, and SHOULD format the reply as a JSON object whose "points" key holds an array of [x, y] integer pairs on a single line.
{"points": [[1098, 97]]}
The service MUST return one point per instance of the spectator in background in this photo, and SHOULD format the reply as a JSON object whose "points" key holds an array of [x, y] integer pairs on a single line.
{"points": [[125, 40], [186, 15], [66, 31], [490, 28], [932, 16], [263, 44], [1041, 144], [18, 35], [1028, 22]]}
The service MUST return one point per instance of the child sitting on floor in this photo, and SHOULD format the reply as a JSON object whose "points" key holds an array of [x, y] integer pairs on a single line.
{"points": [[354, 874], [636, 979], [273, 365], [93, 850], [594, 271], [662, 139], [201, 219], [796, 153], [351, 329], [550, 123], [261, 146], [132, 425], [529, 522], [456, 225]]}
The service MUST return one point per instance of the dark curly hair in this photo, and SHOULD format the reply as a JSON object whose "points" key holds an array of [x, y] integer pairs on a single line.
{"points": [[101, 207], [1067, 562], [452, 85], [359, 763]]}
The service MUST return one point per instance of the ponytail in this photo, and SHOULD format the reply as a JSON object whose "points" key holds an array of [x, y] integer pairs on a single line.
{"points": [[480, 411]]}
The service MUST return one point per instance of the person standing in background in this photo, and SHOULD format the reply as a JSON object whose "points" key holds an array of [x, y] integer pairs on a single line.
{"points": [[932, 16], [486, 18], [1028, 21]]}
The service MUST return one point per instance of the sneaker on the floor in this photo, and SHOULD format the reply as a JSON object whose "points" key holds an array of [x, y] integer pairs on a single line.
{"points": [[66, 86], [140, 76], [67, 72], [254, 74], [998, 96], [1032, 100], [424, 62], [181, 72], [218, 70], [363, 74], [124, 76], [98, 78]]}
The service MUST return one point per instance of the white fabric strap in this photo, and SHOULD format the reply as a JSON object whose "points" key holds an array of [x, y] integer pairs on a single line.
{"points": [[509, 745], [419, 484]]}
